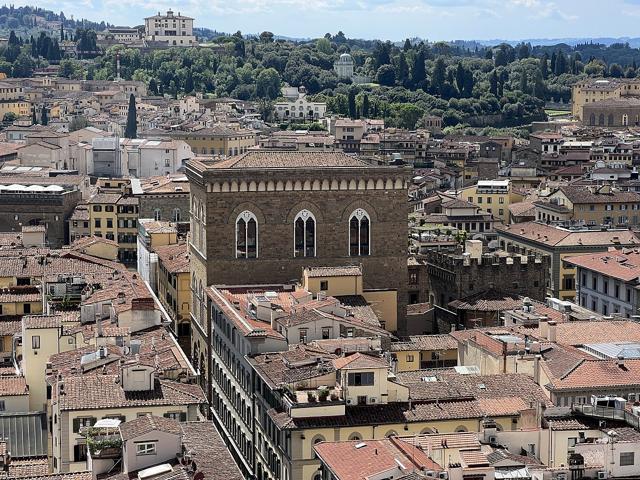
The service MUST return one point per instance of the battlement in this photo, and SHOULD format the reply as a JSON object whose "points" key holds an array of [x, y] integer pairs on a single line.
{"points": [[457, 260]]}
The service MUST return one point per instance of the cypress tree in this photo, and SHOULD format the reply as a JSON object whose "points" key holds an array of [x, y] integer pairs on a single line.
{"points": [[34, 119], [131, 130], [44, 117]]}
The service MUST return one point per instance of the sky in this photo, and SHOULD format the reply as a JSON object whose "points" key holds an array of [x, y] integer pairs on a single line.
{"points": [[380, 19]]}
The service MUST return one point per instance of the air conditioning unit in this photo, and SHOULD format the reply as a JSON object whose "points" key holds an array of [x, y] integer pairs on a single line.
{"points": [[443, 475], [602, 475]]}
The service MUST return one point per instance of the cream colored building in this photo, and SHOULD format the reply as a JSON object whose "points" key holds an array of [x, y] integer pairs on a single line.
{"points": [[175, 30], [493, 196], [596, 89]]}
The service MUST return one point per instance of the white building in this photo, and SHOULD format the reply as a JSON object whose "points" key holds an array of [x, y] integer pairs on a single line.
{"points": [[296, 106], [148, 158], [344, 66], [170, 28]]}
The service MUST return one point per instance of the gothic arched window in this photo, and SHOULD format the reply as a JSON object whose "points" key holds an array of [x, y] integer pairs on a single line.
{"points": [[304, 234], [246, 235], [359, 233]]}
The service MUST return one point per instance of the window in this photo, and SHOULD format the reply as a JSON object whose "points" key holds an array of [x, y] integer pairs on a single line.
{"points": [[303, 335], [26, 308], [326, 333], [176, 215], [81, 422], [304, 235], [35, 342], [179, 416], [97, 223], [359, 233], [409, 358], [146, 448], [359, 379], [157, 215], [626, 459], [246, 235], [80, 453], [324, 285]]}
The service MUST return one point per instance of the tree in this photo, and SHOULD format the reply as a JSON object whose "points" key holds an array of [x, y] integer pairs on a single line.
{"points": [[386, 75], [407, 115], [78, 123], [9, 117], [524, 83], [44, 116], [438, 75], [153, 86], [324, 46], [131, 131], [266, 37], [407, 45], [615, 70], [34, 118], [365, 105], [352, 103], [268, 84], [544, 66], [402, 71], [418, 72]]}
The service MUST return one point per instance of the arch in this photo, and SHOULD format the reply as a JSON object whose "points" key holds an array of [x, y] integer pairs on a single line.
{"points": [[359, 233], [352, 184], [399, 184], [625, 120], [371, 185], [243, 186], [335, 185], [176, 215], [215, 187], [592, 119], [362, 184], [246, 245], [304, 234], [389, 184], [271, 186], [461, 429], [610, 120], [252, 186], [391, 433], [343, 185], [325, 185], [157, 214], [427, 430], [262, 187], [279, 185], [315, 185], [234, 186], [317, 439], [355, 436], [225, 187], [380, 184], [288, 185], [297, 185], [306, 185], [601, 119]]}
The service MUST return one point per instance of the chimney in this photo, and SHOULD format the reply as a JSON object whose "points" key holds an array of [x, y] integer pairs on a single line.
{"points": [[551, 334]]}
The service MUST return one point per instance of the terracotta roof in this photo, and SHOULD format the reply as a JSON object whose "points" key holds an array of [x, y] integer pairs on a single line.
{"points": [[346, 271], [474, 458], [592, 374], [175, 258], [42, 321], [275, 159], [359, 460], [425, 342], [103, 391], [13, 386], [211, 453], [61, 476], [488, 301], [621, 264], [147, 424], [585, 195], [28, 467], [550, 236], [359, 361]]}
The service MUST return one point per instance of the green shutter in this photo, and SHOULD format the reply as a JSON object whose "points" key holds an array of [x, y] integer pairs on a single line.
{"points": [[76, 425]]}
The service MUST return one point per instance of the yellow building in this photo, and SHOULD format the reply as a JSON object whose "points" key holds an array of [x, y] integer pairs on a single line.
{"points": [[115, 217], [18, 301], [560, 243], [596, 89], [12, 100], [338, 406], [217, 140], [174, 290], [590, 205], [425, 351], [493, 196], [347, 281]]}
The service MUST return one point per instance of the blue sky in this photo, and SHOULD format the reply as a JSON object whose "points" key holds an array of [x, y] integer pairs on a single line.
{"points": [[385, 19]]}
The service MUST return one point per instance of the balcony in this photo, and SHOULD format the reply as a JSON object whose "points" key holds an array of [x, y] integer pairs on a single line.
{"points": [[320, 402]]}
